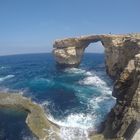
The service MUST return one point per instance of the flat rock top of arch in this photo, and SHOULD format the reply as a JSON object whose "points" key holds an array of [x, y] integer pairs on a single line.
{"points": [[86, 39]]}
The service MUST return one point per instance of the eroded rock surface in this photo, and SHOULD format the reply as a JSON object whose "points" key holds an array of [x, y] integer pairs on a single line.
{"points": [[119, 49], [124, 118], [36, 119]]}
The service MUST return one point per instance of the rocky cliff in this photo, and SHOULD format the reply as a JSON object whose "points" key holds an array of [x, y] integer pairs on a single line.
{"points": [[124, 118], [122, 59]]}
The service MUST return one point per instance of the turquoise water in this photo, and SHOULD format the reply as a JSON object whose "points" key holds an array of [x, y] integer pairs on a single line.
{"points": [[77, 99]]}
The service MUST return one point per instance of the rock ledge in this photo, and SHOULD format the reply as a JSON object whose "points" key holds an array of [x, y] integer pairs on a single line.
{"points": [[36, 118]]}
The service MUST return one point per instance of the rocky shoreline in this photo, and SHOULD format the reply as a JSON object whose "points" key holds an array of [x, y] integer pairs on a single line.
{"points": [[122, 59], [36, 119]]}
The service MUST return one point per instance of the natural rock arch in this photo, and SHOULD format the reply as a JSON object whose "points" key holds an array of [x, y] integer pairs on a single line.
{"points": [[68, 52], [122, 58]]}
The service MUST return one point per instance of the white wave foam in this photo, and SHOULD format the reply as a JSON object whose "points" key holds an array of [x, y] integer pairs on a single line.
{"points": [[73, 134], [88, 73], [74, 126], [95, 103], [74, 70], [76, 120], [6, 77], [77, 126], [93, 80]]}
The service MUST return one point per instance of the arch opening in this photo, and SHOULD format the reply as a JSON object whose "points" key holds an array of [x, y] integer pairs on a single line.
{"points": [[93, 55], [94, 61], [95, 47]]}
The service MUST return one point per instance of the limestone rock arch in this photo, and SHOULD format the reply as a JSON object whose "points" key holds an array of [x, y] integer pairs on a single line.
{"points": [[122, 58], [68, 52]]}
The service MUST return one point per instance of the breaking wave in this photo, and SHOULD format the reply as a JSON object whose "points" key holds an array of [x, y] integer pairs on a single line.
{"points": [[75, 71], [6, 77], [79, 125]]}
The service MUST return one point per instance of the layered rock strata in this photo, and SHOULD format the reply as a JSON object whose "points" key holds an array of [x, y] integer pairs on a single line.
{"points": [[36, 119], [122, 59], [124, 118]]}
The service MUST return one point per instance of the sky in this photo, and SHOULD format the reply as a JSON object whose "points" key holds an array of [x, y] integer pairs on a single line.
{"points": [[31, 26]]}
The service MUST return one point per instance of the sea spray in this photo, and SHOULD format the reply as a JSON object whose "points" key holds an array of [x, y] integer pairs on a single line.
{"points": [[79, 125]]}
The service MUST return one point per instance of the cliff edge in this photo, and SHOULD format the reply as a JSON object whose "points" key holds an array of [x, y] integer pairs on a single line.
{"points": [[124, 118]]}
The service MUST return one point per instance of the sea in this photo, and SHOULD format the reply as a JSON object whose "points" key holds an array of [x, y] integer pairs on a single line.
{"points": [[76, 99]]}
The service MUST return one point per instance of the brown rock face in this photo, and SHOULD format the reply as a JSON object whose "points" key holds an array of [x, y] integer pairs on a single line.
{"points": [[68, 52], [124, 119]]}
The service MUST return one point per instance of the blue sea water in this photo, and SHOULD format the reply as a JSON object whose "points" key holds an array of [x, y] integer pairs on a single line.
{"points": [[12, 125], [77, 99]]}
